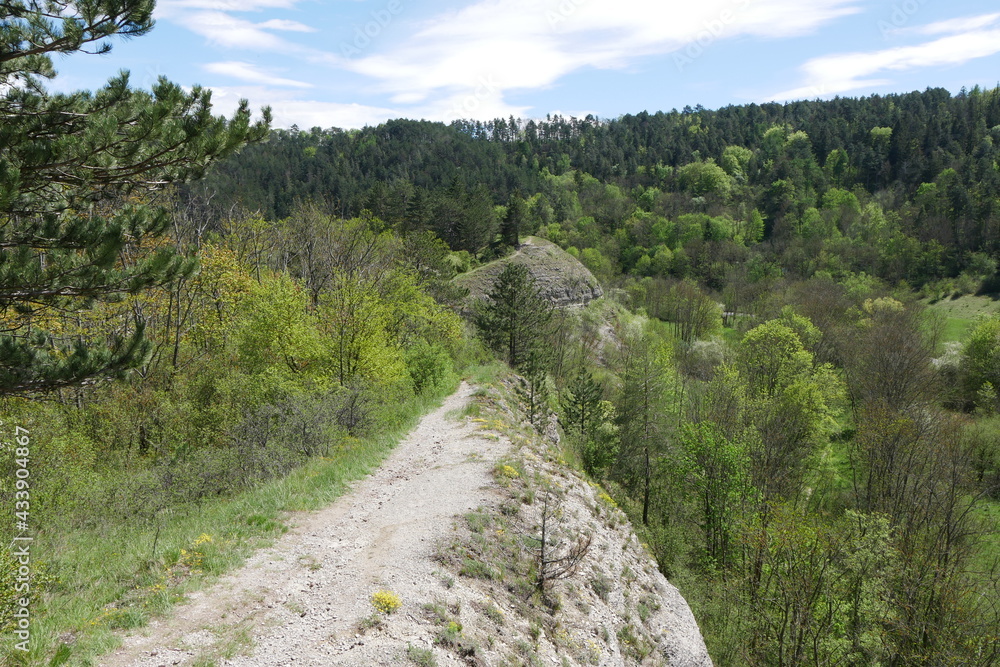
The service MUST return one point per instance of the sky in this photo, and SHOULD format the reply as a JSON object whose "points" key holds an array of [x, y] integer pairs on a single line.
{"points": [[352, 63]]}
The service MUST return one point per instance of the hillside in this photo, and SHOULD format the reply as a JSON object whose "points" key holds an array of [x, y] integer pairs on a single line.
{"points": [[441, 525], [563, 280]]}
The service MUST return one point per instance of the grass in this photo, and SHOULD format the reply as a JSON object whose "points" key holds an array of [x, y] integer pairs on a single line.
{"points": [[961, 313], [233, 640], [119, 578], [990, 552], [601, 584], [420, 656], [487, 374], [732, 336], [449, 634]]}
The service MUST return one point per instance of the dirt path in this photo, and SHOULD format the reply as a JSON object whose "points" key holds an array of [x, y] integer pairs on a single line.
{"points": [[299, 601]]}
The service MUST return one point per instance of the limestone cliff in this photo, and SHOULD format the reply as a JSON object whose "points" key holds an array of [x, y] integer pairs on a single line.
{"points": [[563, 280], [612, 608]]}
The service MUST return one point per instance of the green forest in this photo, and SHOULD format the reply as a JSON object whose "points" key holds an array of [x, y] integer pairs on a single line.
{"points": [[791, 386]]}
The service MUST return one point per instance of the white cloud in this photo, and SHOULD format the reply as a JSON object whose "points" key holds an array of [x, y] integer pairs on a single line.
{"points": [[284, 24], [467, 62], [958, 25], [834, 74], [662, 25], [531, 44], [288, 109], [309, 113], [228, 31], [171, 7], [214, 20], [248, 72]]}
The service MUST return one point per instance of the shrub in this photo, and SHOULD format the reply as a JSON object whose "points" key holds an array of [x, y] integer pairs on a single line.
{"points": [[275, 438], [451, 634], [420, 656], [429, 365], [602, 585], [386, 601], [478, 570], [65, 462], [505, 474], [494, 613]]}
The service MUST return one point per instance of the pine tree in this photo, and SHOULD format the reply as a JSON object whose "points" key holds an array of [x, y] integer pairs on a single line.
{"points": [[76, 175], [642, 411], [581, 402], [418, 212], [534, 391], [513, 318], [517, 214], [478, 225]]}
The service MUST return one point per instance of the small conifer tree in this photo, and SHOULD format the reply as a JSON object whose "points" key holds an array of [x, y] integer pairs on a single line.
{"points": [[514, 317]]}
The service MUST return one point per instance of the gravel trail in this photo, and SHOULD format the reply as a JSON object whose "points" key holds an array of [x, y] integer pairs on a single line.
{"points": [[299, 601]]}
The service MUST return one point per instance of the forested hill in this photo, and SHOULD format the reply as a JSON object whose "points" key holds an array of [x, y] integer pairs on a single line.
{"points": [[929, 157], [815, 465]]}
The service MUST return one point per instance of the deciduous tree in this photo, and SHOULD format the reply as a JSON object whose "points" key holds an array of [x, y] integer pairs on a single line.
{"points": [[643, 408], [788, 401]]}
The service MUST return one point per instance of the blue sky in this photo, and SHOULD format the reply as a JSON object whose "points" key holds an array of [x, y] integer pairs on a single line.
{"points": [[350, 63]]}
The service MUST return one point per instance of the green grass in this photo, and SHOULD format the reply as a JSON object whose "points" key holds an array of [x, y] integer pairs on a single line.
{"points": [[731, 336], [110, 580], [960, 314], [487, 374], [990, 513]]}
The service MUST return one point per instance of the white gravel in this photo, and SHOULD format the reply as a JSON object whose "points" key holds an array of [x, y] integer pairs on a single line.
{"points": [[302, 598]]}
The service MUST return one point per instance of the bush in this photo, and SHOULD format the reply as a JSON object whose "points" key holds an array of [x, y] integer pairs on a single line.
{"points": [[355, 407], [461, 261], [64, 464], [277, 437], [262, 447], [602, 585], [420, 656], [429, 365], [204, 473], [386, 602]]}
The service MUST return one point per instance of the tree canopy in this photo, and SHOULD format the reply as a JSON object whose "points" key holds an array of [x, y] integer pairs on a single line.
{"points": [[78, 173]]}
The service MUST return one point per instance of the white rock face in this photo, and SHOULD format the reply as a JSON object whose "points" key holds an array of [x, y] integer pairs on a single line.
{"points": [[563, 280], [681, 640], [616, 609]]}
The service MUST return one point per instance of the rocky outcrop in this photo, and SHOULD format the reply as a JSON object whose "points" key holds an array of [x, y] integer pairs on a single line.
{"points": [[563, 280], [613, 609]]}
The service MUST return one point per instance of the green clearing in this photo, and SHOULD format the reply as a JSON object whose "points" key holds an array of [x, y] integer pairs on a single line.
{"points": [[108, 581], [990, 515], [961, 313]]}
